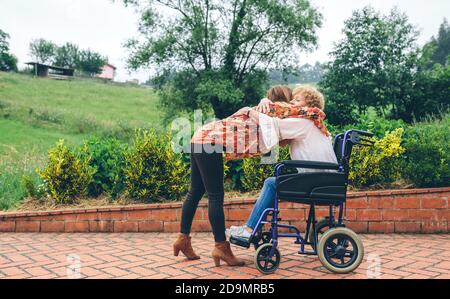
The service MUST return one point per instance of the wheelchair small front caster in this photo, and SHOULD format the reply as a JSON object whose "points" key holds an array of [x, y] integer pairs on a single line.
{"points": [[340, 250], [261, 239], [263, 262]]}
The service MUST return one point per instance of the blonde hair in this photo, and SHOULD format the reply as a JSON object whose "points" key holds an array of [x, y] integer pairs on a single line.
{"points": [[312, 96], [280, 93]]}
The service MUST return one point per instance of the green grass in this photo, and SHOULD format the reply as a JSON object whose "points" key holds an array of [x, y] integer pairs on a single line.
{"points": [[37, 112]]}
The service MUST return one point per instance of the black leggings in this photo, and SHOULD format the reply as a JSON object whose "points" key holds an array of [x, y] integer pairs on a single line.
{"points": [[206, 175]]}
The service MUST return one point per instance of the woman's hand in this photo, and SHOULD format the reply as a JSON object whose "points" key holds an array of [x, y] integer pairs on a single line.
{"points": [[264, 106], [242, 111]]}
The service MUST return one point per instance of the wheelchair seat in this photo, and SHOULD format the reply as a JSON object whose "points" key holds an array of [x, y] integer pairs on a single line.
{"points": [[321, 187]]}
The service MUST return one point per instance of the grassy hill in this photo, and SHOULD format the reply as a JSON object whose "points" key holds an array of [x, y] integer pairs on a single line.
{"points": [[36, 112]]}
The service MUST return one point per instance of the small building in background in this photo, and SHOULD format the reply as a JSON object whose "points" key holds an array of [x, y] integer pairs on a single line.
{"points": [[108, 72], [54, 72]]}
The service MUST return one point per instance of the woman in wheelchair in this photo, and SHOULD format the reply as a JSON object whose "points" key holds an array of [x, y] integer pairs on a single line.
{"points": [[321, 180], [306, 142], [236, 137]]}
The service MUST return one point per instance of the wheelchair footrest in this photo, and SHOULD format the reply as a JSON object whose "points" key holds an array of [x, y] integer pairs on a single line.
{"points": [[239, 241], [308, 253]]}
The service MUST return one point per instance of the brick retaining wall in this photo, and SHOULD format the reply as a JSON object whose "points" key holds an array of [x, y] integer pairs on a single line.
{"points": [[399, 211]]}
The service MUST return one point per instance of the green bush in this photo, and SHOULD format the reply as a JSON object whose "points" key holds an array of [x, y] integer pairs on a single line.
{"points": [[66, 175], [153, 171], [379, 163], [255, 173], [427, 157], [33, 186], [107, 158]]}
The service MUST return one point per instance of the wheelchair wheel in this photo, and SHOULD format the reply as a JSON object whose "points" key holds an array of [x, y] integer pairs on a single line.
{"points": [[262, 238], [322, 226], [263, 262], [340, 250]]}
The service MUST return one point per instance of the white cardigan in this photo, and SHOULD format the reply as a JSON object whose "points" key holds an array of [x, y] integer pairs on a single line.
{"points": [[307, 141]]}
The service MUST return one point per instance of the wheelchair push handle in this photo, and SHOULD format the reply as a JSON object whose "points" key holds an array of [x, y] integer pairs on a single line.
{"points": [[358, 137]]}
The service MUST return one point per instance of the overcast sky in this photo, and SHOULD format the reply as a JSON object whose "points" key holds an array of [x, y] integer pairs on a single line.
{"points": [[104, 26]]}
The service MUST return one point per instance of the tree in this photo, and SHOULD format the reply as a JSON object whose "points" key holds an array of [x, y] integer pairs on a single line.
{"points": [[42, 51], [8, 62], [437, 51], [90, 62], [442, 44], [217, 52], [373, 66], [67, 55]]}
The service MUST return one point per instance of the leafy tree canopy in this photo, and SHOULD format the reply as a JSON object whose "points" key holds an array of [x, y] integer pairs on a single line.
{"points": [[373, 66], [67, 55], [42, 50], [8, 62], [216, 53]]}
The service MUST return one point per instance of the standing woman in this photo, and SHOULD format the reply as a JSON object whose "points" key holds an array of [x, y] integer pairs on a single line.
{"points": [[207, 147]]}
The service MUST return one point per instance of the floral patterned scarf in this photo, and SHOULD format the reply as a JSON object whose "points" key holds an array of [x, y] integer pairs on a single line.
{"points": [[239, 134]]}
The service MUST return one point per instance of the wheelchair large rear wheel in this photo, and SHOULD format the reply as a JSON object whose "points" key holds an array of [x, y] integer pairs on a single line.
{"points": [[263, 262], [340, 250]]}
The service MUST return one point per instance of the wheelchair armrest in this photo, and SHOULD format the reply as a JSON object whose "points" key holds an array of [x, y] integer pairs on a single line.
{"points": [[310, 164]]}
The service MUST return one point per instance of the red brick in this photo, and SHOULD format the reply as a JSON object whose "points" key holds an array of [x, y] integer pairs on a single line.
{"points": [[201, 226], [164, 214], [235, 214], [77, 227], [422, 215], [139, 215], [7, 226], [443, 214], [171, 226], [200, 214], [407, 227], [320, 213], [380, 202], [229, 223], [116, 215], [434, 227], [369, 215], [395, 215], [87, 216], [358, 226], [150, 226], [357, 203], [126, 226], [381, 227], [52, 226], [101, 226], [407, 203], [28, 226], [434, 203], [292, 214], [351, 214]]}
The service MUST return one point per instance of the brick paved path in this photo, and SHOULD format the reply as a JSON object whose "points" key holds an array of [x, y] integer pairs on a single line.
{"points": [[149, 255]]}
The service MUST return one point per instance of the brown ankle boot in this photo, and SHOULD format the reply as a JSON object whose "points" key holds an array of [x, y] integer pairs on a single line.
{"points": [[183, 244], [222, 251]]}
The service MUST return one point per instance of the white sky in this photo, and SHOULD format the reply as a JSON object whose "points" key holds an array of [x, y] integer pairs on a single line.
{"points": [[104, 25]]}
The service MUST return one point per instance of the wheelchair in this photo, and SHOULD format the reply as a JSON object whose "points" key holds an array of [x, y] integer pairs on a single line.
{"points": [[339, 249]]}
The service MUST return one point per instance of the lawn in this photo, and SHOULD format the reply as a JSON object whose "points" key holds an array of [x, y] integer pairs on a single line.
{"points": [[36, 112]]}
